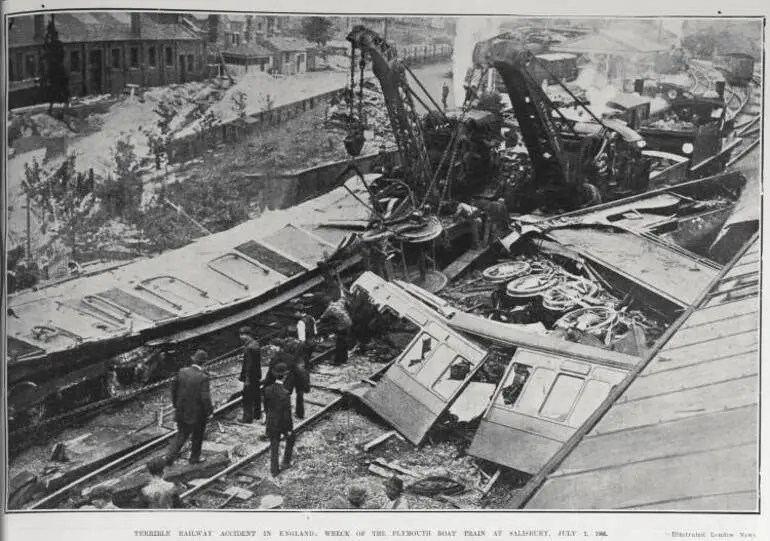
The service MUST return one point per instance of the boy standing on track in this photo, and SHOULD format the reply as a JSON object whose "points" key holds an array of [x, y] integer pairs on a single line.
{"points": [[191, 395], [251, 376], [278, 419]]}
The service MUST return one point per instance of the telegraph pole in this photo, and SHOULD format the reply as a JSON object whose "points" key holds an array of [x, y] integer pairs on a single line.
{"points": [[385, 30], [29, 232]]}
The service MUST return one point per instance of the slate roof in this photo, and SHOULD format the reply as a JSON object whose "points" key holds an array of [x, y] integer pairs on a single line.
{"points": [[289, 44], [248, 50], [96, 26], [685, 433]]}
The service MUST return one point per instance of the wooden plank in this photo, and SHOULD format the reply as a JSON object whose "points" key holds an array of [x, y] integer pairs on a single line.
{"points": [[734, 501], [661, 364], [744, 292], [743, 269], [462, 263], [714, 348], [691, 376], [378, 440], [714, 331], [686, 403], [678, 437], [720, 312], [726, 470]]}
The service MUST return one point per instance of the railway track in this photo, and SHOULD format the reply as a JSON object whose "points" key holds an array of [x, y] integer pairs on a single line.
{"points": [[225, 427]]}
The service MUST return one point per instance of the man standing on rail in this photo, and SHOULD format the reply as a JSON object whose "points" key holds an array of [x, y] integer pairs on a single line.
{"points": [[191, 395], [251, 376], [278, 419]]}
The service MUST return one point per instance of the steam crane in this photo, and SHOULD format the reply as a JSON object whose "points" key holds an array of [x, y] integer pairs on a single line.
{"points": [[566, 175], [404, 119]]}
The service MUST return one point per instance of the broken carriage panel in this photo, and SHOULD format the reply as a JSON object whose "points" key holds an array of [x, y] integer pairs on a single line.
{"points": [[245, 273], [670, 274], [270, 258], [425, 380], [308, 248], [176, 292], [540, 402]]}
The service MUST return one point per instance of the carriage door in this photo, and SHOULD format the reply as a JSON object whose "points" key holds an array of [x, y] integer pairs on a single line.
{"points": [[539, 404], [425, 380]]}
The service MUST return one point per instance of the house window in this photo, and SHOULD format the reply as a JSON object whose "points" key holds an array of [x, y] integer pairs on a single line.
{"points": [[169, 56], [116, 59], [31, 66], [75, 61], [134, 57], [152, 58], [11, 70]]}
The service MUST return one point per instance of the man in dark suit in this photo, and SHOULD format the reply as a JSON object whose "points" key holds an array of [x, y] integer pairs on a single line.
{"points": [[295, 355], [279, 422], [191, 395], [251, 376]]}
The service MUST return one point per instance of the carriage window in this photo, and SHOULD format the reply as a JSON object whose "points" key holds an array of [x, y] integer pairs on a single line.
{"points": [[515, 384], [535, 391], [561, 397], [593, 395], [414, 359], [453, 377], [239, 270]]}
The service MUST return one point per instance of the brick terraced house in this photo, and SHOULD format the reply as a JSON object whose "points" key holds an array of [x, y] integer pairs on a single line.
{"points": [[104, 52]]}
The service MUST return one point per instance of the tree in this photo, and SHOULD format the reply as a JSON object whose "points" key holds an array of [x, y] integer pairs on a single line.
{"points": [[317, 29], [55, 78]]}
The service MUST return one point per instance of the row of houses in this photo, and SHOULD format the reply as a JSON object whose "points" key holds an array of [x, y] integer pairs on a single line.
{"points": [[105, 52]]}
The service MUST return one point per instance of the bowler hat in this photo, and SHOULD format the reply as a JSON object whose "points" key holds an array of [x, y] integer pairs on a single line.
{"points": [[246, 330]]}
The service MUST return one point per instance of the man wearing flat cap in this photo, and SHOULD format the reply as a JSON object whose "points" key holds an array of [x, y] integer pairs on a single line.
{"points": [[278, 419], [251, 376], [191, 396]]}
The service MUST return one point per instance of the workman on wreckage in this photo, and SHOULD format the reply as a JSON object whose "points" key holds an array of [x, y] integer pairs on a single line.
{"points": [[337, 314]]}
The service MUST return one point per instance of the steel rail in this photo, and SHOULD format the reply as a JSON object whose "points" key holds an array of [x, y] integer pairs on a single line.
{"points": [[266, 447]]}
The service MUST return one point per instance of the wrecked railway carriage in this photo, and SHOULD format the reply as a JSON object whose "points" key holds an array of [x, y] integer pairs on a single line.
{"points": [[542, 328]]}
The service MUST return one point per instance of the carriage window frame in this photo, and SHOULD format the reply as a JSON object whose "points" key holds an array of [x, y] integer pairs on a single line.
{"points": [[557, 405], [416, 346]]}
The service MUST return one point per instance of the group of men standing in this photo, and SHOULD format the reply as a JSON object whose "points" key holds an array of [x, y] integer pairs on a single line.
{"points": [[287, 373]]}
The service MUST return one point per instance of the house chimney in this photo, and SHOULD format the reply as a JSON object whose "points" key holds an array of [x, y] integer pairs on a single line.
{"points": [[39, 26], [136, 24], [249, 35], [213, 28]]}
